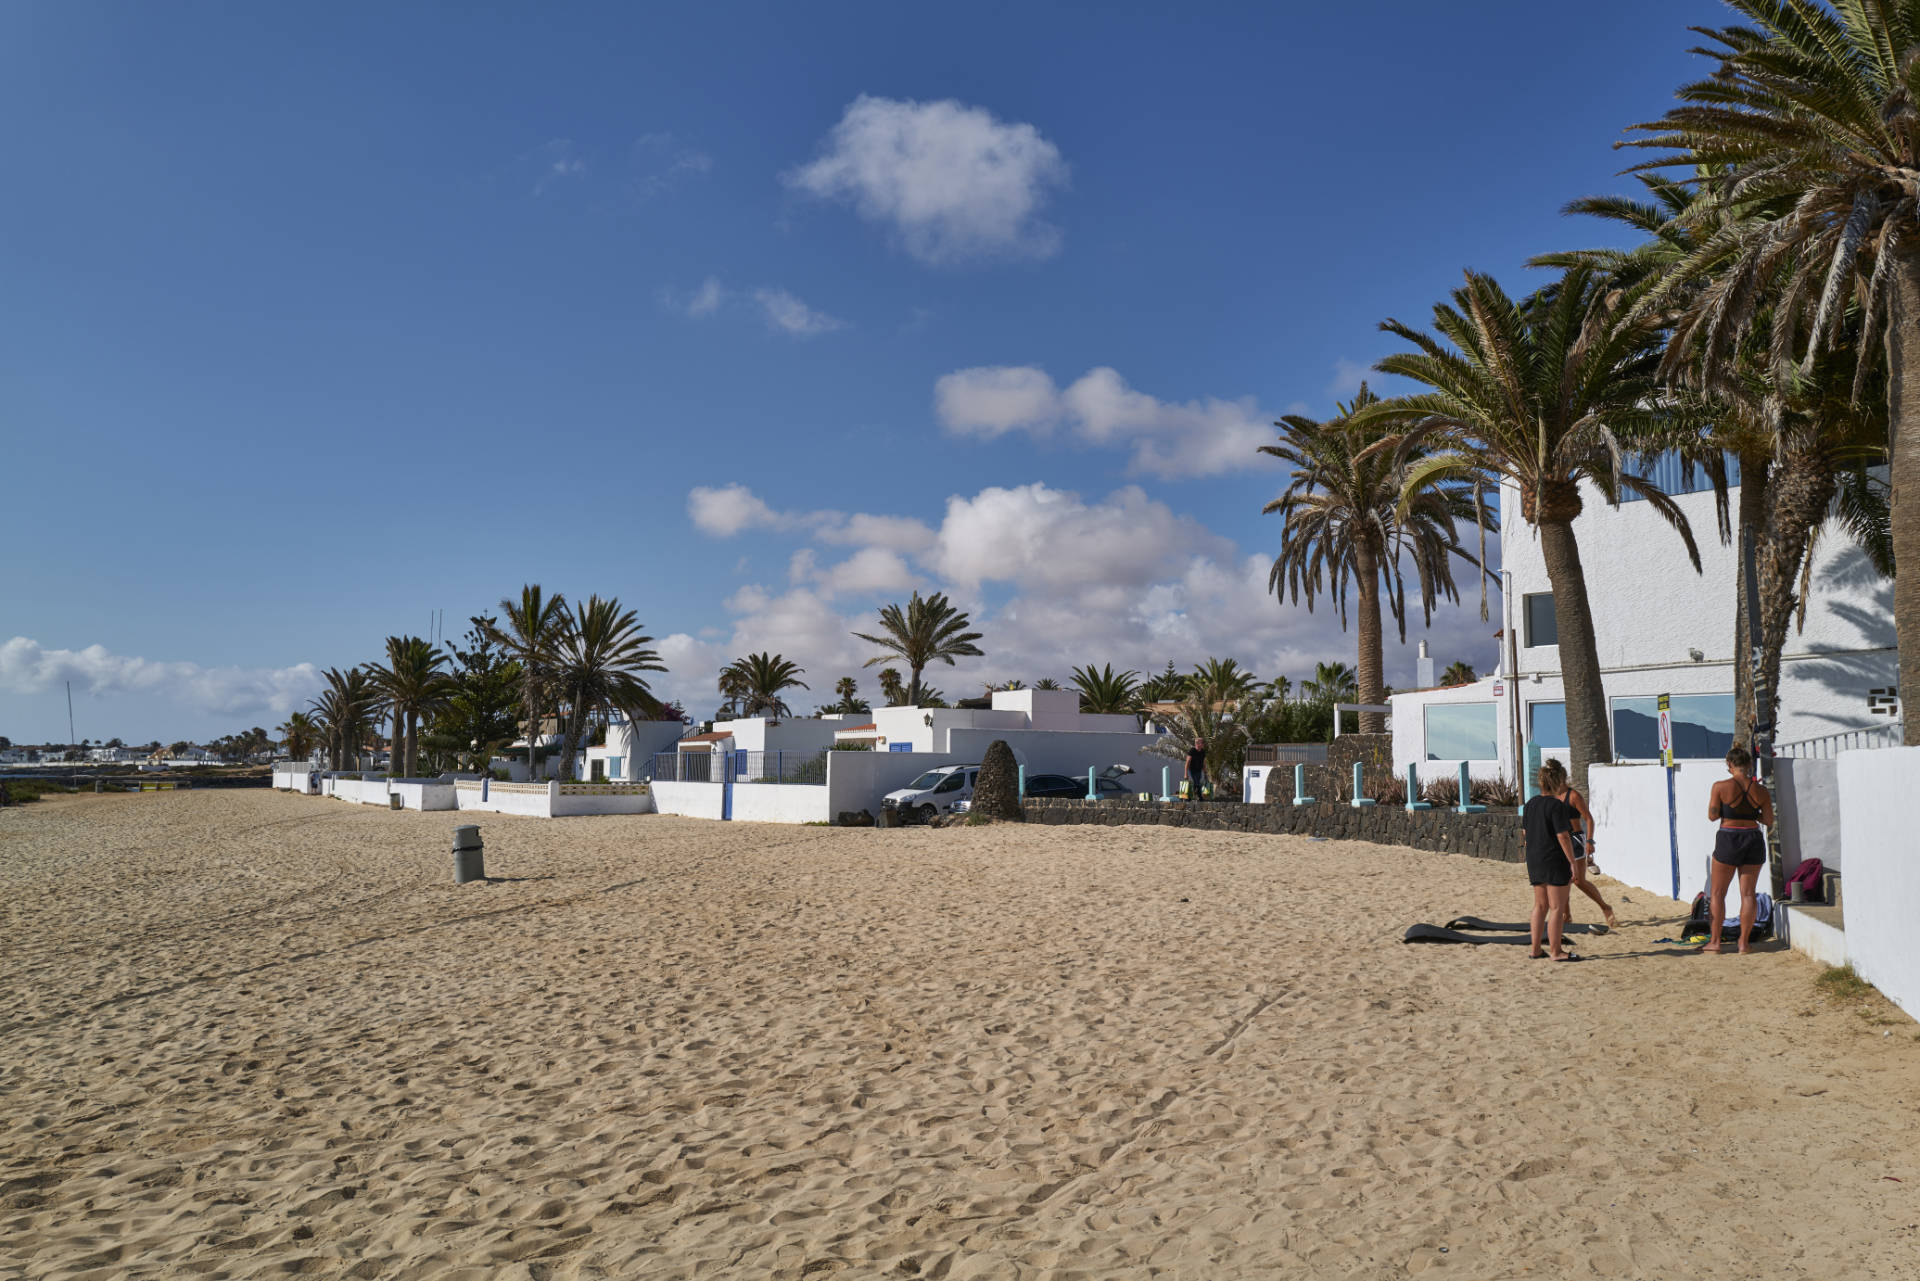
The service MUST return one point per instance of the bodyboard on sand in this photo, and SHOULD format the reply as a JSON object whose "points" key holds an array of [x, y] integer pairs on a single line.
{"points": [[1513, 927], [1436, 934]]}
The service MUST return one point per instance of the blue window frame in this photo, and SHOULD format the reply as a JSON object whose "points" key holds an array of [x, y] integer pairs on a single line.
{"points": [[1664, 471], [613, 766], [899, 747], [1547, 725]]}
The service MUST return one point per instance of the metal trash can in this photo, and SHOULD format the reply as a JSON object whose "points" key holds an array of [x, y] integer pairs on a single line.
{"points": [[393, 801], [468, 860]]}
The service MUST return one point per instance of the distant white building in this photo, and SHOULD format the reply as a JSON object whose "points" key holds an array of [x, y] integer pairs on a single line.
{"points": [[1661, 628]]}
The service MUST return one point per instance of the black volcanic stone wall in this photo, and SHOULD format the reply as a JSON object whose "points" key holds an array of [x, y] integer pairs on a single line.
{"points": [[1492, 835]]}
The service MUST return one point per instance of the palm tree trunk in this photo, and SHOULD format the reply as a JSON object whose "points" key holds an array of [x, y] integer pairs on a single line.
{"points": [[1588, 737], [1903, 448], [1754, 486], [397, 749], [1371, 680], [413, 744], [913, 686], [1802, 491]]}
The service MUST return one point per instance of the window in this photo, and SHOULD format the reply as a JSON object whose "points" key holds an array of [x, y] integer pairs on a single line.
{"points": [[613, 766], [1541, 628], [1547, 724], [1702, 727], [1665, 472], [1462, 732]]}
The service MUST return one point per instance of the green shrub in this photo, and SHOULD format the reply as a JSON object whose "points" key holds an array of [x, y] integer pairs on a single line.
{"points": [[22, 790]]}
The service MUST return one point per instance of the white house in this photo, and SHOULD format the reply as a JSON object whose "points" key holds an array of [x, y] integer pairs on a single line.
{"points": [[1661, 628]]}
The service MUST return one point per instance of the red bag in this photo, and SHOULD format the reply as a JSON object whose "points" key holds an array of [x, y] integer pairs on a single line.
{"points": [[1807, 877]]}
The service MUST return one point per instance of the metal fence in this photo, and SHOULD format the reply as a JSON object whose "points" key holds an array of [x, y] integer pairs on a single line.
{"points": [[1287, 754], [740, 767], [1828, 746]]}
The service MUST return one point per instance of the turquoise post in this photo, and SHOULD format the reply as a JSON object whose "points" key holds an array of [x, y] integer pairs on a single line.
{"points": [[1093, 793], [1300, 796], [1359, 779], [1530, 785], [1465, 784], [1023, 781], [1413, 789], [1166, 777]]}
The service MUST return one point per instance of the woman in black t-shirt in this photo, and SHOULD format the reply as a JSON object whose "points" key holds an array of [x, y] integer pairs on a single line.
{"points": [[1548, 824]]}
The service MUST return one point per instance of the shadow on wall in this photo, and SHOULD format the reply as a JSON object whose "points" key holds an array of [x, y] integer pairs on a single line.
{"points": [[1850, 677]]}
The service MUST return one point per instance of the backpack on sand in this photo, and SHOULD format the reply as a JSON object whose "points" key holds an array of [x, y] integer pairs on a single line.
{"points": [[1699, 924]]}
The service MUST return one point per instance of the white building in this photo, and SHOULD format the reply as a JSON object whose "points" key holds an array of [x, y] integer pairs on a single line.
{"points": [[1660, 628]]}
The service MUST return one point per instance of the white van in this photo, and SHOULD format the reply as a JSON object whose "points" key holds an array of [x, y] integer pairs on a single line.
{"points": [[935, 792]]}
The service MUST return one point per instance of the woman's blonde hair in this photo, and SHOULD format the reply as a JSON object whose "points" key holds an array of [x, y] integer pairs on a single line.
{"points": [[1552, 776]]}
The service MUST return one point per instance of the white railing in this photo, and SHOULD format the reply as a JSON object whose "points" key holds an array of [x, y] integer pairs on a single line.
{"points": [[1827, 746], [601, 789]]}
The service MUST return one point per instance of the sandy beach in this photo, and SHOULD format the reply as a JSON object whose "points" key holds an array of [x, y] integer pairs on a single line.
{"points": [[256, 1035]]}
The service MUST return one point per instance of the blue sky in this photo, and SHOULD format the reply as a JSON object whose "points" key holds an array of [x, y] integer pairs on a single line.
{"points": [[323, 318]]}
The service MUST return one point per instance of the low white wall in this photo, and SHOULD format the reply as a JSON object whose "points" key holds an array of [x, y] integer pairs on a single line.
{"points": [[779, 803], [1629, 804], [857, 780], [1882, 895], [424, 794], [574, 799], [532, 800], [1806, 800], [297, 778], [691, 800]]}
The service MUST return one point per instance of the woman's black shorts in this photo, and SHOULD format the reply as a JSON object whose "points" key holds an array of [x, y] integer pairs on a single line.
{"points": [[1550, 868], [1740, 847]]}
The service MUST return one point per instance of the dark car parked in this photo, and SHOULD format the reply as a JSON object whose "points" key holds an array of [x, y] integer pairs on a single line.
{"points": [[1066, 787]]}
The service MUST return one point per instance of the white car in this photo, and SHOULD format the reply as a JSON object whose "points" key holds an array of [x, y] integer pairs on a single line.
{"points": [[935, 792]]}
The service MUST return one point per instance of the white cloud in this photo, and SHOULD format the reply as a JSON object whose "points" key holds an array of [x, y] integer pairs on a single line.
{"points": [[790, 315], [1169, 439], [727, 510], [663, 162], [707, 298], [27, 668], [1039, 537], [953, 182], [993, 400], [869, 570], [557, 161]]}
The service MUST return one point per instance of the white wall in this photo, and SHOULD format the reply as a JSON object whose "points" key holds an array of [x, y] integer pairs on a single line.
{"points": [[1629, 804], [425, 794], [637, 743], [530, 800], [570, 801], [693, 800], [1877, 791], [1806, 801], [781, 802]]}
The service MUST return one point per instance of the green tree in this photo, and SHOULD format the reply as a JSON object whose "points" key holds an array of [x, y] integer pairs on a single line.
{"points": [[478, 719], [1458, 673], [1809, 115], [346, 711], [892, 688], [1334, 683], [531, 636], [1349, 516], [598, 660], [415, 685], [1546, 392], [1106, 692], [1222, 679], [299, 734], [761, 679], [848, 688], [1226, 738], [1046, 682], [929, 630]]}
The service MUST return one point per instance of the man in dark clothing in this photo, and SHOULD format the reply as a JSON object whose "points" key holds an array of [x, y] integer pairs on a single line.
{"points": [[1196, 769]]}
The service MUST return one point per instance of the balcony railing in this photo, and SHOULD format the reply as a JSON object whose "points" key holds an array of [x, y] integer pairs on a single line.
{"points": [[1827, 746]]}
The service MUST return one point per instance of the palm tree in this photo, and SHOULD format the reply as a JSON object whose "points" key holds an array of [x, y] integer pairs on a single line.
{"points": [[1458, 673], [760, 679], [1545, 393], [1199, 718], [1106, 692], [1222, 680], [848, 688], [1277, 689], [416, 685], [929, 630], [891, 688], [299, 734], [347, 709], [1167, 686], [599, 657], [1334, 683], [530, 636], [1348, 514], [1046, 682], [1811, 113], [731, 685]]}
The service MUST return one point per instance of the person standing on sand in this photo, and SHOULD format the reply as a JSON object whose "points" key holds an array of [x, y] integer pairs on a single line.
{"points": [[1547, 825], [1196, 769], [1741, 805], [1583, 851]]}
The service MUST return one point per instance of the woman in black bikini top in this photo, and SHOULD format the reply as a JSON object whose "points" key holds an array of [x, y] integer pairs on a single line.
{"points": [[1740, 804]]}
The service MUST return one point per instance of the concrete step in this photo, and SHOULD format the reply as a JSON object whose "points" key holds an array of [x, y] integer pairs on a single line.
{"points": [[1830, 887]]}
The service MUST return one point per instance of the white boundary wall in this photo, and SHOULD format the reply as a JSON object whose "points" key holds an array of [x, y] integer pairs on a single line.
{"points": [[1633, 844], [1806, 801], [858, 780], [571, 800], [424, 793], [532, 800], [689, 800], [779, 802], [296, 778], [1877, 790]]}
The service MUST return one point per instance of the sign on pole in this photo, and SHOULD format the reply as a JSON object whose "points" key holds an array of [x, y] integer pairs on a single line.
{"points": [[1666, 731], [1673, 817]]}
